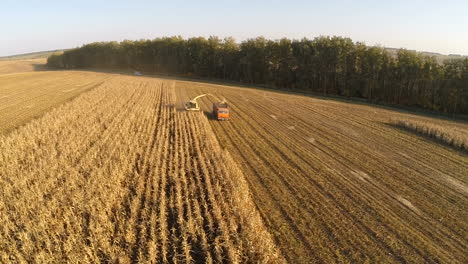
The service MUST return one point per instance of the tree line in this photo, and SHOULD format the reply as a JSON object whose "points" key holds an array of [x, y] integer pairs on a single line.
{"points": [[325, 65]]}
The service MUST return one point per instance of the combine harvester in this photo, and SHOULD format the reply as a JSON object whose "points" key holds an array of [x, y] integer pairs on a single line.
{"points": [[220, 109]]}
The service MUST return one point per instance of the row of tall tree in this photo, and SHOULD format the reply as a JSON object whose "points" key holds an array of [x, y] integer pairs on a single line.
{"points": [[326, 65]]}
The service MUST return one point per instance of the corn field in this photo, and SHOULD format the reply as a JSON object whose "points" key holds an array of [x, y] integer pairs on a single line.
{"points": [[455, 137], [109, 168], [119, 175]]}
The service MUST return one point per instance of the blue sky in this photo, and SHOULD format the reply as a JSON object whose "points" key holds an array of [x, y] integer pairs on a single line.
{"points": [[426, 25]]}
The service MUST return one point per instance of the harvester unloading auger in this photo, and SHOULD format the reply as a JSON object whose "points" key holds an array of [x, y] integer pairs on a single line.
{"points": [[220, 109]]}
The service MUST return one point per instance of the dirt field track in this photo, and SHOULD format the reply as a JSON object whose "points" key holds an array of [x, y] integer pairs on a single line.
{"points": [[122, 173]]}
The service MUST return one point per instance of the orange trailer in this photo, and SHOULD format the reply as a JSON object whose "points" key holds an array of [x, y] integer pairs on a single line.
{"points": [[221, 111]]}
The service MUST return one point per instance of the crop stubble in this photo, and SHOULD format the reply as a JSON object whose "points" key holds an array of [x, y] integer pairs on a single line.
{"points": [[335, 183]]}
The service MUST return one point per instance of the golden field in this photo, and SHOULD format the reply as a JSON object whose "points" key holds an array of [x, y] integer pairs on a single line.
{"points": [[336, 182], [27, 95], [26, 65], [124, 177], [101, 167]]}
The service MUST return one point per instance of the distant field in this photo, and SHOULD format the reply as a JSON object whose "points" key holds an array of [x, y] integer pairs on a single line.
{"points": [[439, 57], [29, 56], [123, 173], [24, 96], [18, 66]]}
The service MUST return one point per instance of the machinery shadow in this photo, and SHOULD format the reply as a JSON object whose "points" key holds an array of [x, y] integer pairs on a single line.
{"points": [[209, 115]]}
